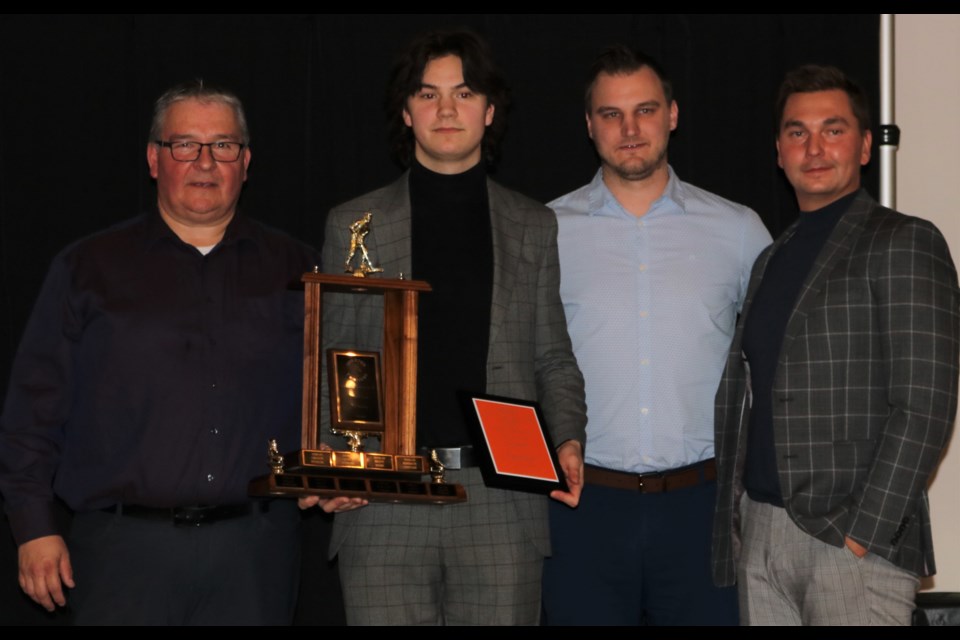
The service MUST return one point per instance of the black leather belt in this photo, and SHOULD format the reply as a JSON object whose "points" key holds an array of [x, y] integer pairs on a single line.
{"points": [[671, 480], [453, 457], [192, 516]]}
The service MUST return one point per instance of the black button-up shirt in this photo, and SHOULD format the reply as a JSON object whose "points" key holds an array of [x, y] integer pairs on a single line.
{"points": [[151, 374]]}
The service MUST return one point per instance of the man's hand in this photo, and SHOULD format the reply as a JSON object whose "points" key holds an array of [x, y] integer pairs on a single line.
{"points": [[570, 454], [44, 570], [332, 505], [858, 549]]}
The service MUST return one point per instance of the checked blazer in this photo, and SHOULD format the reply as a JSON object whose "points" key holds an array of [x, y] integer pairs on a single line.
{"points": [[529, 354], [864, 395]]}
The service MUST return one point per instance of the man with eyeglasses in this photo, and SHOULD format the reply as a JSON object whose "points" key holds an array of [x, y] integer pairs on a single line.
{"points": [[160, 357]]}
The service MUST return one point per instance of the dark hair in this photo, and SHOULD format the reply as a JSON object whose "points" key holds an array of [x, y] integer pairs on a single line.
{"points": [[203, 92], [812, 77], [479, 73], [619, 59]]}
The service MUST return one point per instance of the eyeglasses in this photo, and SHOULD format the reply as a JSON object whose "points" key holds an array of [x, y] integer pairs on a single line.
{"points": [[189, 151]]}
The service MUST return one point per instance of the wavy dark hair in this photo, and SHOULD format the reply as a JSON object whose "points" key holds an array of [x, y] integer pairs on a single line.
{"points": [[618, 60], [480, 73], [813, 77]]}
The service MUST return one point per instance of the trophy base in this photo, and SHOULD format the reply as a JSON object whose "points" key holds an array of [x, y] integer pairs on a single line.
{"points": [[324, 461], [378, 477], [374, 489]]}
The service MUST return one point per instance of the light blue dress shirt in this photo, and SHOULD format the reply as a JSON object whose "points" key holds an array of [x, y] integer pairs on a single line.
{"points": [[651, 305]]}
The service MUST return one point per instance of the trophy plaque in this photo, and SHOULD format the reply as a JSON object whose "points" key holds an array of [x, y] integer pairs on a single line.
{"points": [[372, 395], [356, 405]]}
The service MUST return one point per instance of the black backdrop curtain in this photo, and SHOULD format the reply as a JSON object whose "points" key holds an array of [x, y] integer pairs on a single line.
{"points": [[76, 95]]}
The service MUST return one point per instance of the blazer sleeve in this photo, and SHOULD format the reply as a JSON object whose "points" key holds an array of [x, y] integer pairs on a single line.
{"points": [[560, 385], [916, 309]]}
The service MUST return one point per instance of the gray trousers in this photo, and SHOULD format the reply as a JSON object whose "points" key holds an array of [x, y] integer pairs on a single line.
{"points": [[788, 577], [429, 565]]}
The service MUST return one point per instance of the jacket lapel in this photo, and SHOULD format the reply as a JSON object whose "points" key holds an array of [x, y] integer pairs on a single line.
{"points": [[838, 246], [390, 242], [507, 232], [390, 231]]}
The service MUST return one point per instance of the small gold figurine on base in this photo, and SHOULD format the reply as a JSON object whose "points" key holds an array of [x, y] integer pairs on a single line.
{"points": [[358, 235], [274, 458], [354, 439], [436, 468]]}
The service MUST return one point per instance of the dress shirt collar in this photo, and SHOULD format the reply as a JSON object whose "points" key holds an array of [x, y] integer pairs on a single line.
{"points": [[156, 231], [603, 202]]}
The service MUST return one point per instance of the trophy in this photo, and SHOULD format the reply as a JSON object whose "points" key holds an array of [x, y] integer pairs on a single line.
{"points": [[358, 235], [372, 395]]}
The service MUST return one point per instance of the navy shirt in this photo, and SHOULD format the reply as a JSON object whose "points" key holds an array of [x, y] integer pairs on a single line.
{"points": [[763, 333], [151, 374]]}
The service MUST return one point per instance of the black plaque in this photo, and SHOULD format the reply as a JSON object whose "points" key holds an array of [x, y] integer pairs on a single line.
{"points": [[356, 392], [514, 447]]}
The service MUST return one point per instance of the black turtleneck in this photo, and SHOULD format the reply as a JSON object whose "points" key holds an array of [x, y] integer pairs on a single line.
{"points": [[763, 333], [452, 249]]}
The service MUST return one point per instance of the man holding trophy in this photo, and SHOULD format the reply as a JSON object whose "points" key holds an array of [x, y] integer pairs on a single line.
{"points": [[493, 323]]}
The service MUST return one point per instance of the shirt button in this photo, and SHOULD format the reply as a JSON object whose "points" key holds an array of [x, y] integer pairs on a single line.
{"points": [[215, 431], [645, 361], [642, 267], [644, 314], [213, 385], [209, 477], [644, 411]]}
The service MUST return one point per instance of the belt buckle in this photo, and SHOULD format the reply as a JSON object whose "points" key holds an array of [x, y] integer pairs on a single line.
{"points": [[453, 458], [658, 476], [449, 457], [185, 517]]}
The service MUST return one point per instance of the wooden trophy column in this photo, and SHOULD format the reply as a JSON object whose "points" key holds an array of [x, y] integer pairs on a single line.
{"points": [[400, 299]]}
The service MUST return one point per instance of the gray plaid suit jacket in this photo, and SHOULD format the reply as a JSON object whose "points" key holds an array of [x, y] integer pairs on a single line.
{"points": [[529, 354], [865, 392]]}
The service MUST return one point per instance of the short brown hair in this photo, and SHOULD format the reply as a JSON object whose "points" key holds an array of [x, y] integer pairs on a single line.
{"points": [[619, 59], [813, 77]]}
